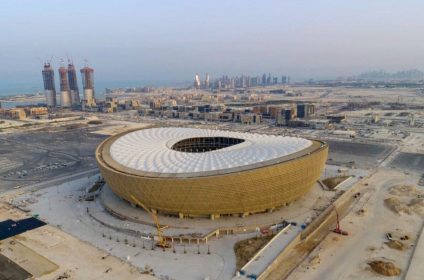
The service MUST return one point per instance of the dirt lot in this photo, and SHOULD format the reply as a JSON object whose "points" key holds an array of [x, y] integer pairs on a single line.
{"points": [[332, 182], [48, 253], [11, 271], [348, 257], [246, 249]]}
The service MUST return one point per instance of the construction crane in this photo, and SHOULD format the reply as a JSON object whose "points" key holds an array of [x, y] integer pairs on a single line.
{"points": [[338, 230], [161, 240]]}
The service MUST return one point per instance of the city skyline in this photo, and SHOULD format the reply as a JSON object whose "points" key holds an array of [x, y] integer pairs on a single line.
{"points": [[289, 38]]}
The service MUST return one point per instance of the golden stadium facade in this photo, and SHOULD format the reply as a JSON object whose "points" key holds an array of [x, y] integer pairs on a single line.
{"points": [[202, 172]]}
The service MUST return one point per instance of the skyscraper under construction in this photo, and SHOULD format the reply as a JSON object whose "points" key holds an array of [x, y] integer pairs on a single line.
{"points": [[65, 95], [87, 74], [49, 86], [197, 81], [73, 84]]}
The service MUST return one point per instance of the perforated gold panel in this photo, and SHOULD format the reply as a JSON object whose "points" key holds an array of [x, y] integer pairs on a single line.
{"points": [[248, 191]]}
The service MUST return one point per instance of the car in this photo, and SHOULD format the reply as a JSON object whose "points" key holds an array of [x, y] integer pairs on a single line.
{"points": [[389, 236]]}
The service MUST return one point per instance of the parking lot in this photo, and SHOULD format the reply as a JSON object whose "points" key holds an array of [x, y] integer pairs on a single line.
{"points": [[31, 157], [409, 162], [360, 155]]}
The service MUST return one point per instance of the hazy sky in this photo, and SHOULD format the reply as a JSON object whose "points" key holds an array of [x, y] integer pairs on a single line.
{"points": [[172, 40]]}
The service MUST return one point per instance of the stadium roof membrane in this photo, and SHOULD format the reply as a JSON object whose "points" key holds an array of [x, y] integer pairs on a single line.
{"points": [[191, 150]]}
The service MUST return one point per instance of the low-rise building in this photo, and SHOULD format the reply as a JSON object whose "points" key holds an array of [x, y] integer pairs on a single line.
{"points": [[319, 123], [251, 118], [111, 105], [212, 116], [37, 111], [16, 114]]}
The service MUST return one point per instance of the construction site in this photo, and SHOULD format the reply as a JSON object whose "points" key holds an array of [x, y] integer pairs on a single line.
{"points": [[354, 207]]}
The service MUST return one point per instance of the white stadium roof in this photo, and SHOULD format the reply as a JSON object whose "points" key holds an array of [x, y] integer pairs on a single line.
{"points": [[149, 150]]}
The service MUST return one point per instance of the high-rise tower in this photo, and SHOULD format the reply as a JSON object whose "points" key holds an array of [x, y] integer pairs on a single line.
{"points": [[268, 79], [73, 85], [49, 86], [87, 74], [263, 79], [65, 95], [197, 81], [207, 81]]}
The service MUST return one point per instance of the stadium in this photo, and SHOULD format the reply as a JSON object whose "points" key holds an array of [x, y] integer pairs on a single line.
{"points": [[191, 172]]}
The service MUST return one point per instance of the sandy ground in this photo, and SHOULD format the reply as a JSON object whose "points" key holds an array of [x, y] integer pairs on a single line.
{"points": [[60, 207], [346, 257], [48, 253]]}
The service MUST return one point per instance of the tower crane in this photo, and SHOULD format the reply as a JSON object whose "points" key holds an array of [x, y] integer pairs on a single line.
{"points": [[159, 229]]}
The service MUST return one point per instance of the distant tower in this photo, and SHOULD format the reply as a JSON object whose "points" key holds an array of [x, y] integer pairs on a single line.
{"points": [[73, 84], [268, 80], [87, 74], [207, 81], [49, 86], [264, 79], [197, 81], [65, 95]]}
